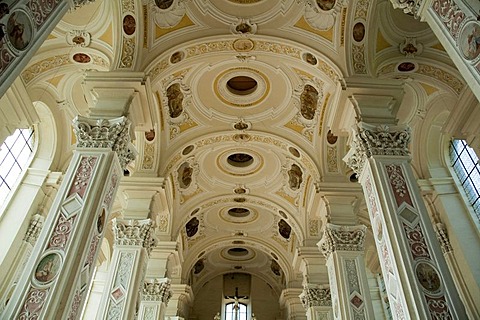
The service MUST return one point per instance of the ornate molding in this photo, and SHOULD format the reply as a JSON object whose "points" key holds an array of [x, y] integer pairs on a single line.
{"points": [[342, 238], [408, 6], [442, 237], [315, 295], [34, 229], [134, 233], [102, 133], [157, 290], [368, 141]]}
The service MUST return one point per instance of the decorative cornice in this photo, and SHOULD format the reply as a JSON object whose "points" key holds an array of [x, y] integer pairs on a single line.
{"points": [[408, 6], [314, 295], [34, 229], [368, 141], [342, 238], [442, 237], [134, 233], [157, 290], [102, 133]]}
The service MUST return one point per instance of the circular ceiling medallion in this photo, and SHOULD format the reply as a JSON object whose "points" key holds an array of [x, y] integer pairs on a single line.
{"points": [[237, 254], [241, 163], [241, 87]]}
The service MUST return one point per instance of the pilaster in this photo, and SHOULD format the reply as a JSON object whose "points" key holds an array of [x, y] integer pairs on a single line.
{"points": [[134, 241], [291, 303], [343, 246], [60, 269], [180, 302], [156, 294], [417, 279]]}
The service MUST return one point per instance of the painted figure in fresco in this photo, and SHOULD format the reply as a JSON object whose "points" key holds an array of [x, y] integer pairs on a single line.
{"points": [[284, 229], [163, 4], [47, 268], [16, 30], [473, 40], [275, 268], [191, 228], [175, 100], [295, 177], [308, 101]]}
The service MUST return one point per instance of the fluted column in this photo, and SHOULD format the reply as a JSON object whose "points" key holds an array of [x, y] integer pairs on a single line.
{"points": [[133, 242], [317, 301], [417, 280], [343, 246], [60, 268], [155, 296]]}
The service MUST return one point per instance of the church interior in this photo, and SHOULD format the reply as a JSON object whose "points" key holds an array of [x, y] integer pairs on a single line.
{"points": [[240, 159]]}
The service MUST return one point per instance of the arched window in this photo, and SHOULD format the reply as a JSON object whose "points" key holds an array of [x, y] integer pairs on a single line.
{"points": [[230, 311], [466, 166], [15, 154]]}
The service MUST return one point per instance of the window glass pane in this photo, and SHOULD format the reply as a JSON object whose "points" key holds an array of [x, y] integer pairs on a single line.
{"points": [[466, 166], [15, 153]]}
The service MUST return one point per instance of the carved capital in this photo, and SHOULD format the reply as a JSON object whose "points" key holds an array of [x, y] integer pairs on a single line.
{"points": [[314, 295], [102, 133], [342, 238], [442, 237], [34, 229], [408, 6], [134, 233], [368, 141], [157, 290]]}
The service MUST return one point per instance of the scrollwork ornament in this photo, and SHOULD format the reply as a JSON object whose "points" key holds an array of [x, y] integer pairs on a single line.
{"points": [[102, 133], [342, 238], [134, 233], [315, 296], [80, 3]]}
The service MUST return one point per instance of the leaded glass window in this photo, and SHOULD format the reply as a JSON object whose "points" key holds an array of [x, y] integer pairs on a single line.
{"points": [[466, 166], [15, 154]]}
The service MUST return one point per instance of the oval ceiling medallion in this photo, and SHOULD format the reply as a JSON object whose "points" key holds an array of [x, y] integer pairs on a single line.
{"points": [[240, 163], [240, 160], [241, 87], [238, 215], [237, 254]]}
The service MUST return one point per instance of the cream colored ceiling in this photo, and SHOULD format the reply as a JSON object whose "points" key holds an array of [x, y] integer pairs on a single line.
{"points": [[196, 45]]}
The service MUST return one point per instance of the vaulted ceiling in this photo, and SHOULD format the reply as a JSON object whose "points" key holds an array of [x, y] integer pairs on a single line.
{"points": [[245, 119]]}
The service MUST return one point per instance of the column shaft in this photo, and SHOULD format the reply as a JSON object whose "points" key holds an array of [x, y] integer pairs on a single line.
{"points": [[343, 247], [417, 279], [133, 242]]}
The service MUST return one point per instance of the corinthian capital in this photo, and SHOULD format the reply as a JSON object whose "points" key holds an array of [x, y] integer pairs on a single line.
{"points": [[101, 133], [370, 140], [157, 290], [314, 295], [134, 233], [342, 238]]}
